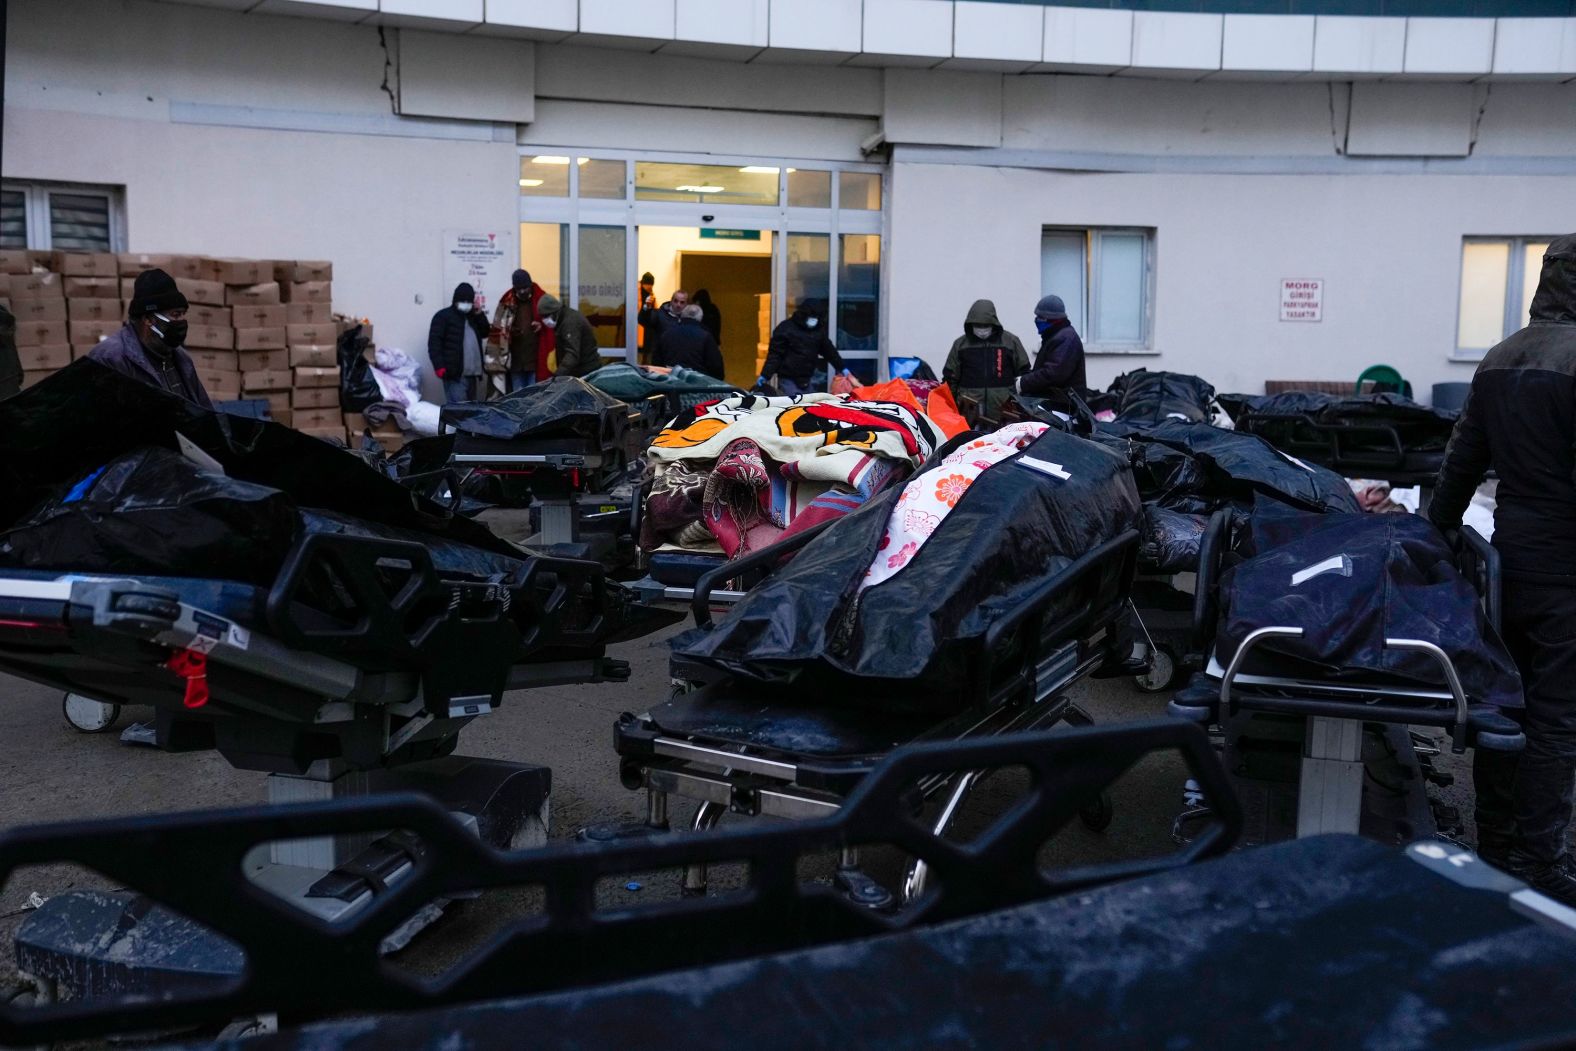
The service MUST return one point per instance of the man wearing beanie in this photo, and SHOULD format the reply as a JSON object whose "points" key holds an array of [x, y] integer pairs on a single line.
{"points": [[517, 333], [454, 345], [148, 346], [1059, 365], [574, 338]]}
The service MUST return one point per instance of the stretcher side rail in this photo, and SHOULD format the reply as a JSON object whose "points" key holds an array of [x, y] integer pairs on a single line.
{"points": [[764, 558], [298, 963], [1345, 447]]}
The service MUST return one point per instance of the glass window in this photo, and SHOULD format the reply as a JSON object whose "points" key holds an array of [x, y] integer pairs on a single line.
{"points": [[603, 180], [1485, 276], [79, 222], [1117, 304], [809, 189], [703, 183], [602, 296], [544, 175], [1531, 271], [1103, 276], [859, 191], [13, 219], [544, 251], [1063, 272], [858, 291], [809, 272]]}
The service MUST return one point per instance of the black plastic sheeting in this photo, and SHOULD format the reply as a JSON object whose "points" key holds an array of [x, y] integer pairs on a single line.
{"points": [[1419, 427], [1170, 540], [1378, 577], [1148, 398], [153, 511], [358, 388], [60, 431], [921, 629], [563, 407]]}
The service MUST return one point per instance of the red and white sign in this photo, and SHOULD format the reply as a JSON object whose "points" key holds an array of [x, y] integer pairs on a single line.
{"points": [[1302, 299]]}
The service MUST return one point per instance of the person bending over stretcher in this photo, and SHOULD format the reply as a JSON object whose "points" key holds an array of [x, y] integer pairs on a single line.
{"points": [[1520, 419]]}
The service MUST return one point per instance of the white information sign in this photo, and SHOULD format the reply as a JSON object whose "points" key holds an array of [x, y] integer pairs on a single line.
{"points": [[481, 259], [1302, 299]]}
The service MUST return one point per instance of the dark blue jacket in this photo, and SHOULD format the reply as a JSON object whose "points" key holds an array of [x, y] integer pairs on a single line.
{"points": [[689, 344], [1059, 364], [125, 353]]}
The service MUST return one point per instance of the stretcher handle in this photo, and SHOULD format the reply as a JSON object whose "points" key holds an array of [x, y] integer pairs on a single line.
{"points": [[1206, 595], [700, 604], [1384, 430], [1254, 638], [1485, 574], [1458, 734]]}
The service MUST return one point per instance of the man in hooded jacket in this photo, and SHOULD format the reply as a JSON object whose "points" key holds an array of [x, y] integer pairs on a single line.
{"points": [[573, 337], [1520, 420], [797, 346], [1059, 366], [985, 360], [454, 345]]}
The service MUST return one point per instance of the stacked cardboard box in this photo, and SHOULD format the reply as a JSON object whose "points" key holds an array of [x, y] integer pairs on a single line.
{"points": [[37, 298]]}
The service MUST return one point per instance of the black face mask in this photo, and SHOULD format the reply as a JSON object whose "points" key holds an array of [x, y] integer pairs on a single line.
{"points": [[170, 333]]}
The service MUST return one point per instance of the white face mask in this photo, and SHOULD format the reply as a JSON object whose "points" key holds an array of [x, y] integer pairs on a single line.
{"points": [[464, 308], [550, 322], [981, 331], [811, 322]]}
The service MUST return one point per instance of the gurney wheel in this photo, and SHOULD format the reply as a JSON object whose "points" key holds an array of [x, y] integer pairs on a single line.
{"points": [[1097, 815], [1161, 673], [87, 715]]}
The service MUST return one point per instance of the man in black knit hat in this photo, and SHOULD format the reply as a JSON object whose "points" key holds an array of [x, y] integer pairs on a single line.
{"points": [[148, 346]]}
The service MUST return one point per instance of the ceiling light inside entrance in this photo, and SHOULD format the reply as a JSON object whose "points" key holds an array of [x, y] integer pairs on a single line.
{"points": [[700, 189], [549, 160], [760, 169], [530, 182]]}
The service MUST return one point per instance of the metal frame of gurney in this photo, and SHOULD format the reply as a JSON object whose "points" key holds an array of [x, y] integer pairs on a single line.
{"points": [[749, 748], [1351, 449], [365, 691], [1335, 729]]}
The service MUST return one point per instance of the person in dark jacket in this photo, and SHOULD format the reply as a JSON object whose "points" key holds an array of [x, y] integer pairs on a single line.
{"points": [[10, 361], [454, 345], [657, 320], [710, 316], [148, 346], [1520, 420], [1059, 366], [574, 338], [985, 360], [690, 345], [797, 346]]}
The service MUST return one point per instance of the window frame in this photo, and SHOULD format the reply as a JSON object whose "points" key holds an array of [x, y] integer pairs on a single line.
{"points": [[1093, 244], [35, 208], [1515, 276]]}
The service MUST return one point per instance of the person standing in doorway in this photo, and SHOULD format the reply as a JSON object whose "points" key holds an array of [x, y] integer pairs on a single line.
{"points": [[986, 360], [648, 301], [150, 345], [574, 338], [710, 316], [797, 348], [690, 345], [659, 320], [1520, 420], [517, 329], [1059, 366], [454, 345]]}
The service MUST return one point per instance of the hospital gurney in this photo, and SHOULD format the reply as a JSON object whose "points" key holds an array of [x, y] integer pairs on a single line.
{"points": [[749, 748], [1311, 755], [1404, 453], [354, 672]]}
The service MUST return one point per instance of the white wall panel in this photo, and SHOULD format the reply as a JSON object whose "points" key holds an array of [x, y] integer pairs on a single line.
{"points": [[1173, 42], [1535, 47], [830, 27], [431, 14], [429, 86], [943, 107], [911, 28], [1410, 120], [744, 23], [1085, 39], [1274, 43], [1011, 33], [333, 10], [1358, 46], [545, 19], [1450, 46]]}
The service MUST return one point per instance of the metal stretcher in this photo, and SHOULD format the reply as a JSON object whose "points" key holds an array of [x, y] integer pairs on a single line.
{"points": [[1311, 756], [354, 672], [754, 749], [1371, 449]]}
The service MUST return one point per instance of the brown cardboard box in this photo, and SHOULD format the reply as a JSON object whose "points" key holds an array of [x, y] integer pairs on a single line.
{"points": [[219, 317], [389, 436], [30, 378], [51, 308], [355, 423], [312, 376], [278, 400], [309, 314], [14, 261], [221, 384], [92, 287], [284, 416], [319, 419], [42, 333], [261, 339], [215, 360], [265, 293], [210, 337], [81, 350], [315, 398], [254, 315], [327, 434], [34, 286], [130, 264], [86, 264], [128, 288], [185, 268], [46, 358], [305, 335], [265, 380], [307, 292], [321, 355], [240, 271], [277, 360], [41, 258], [209, 293], [295, 271], [93, 310], [92, 331]]}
